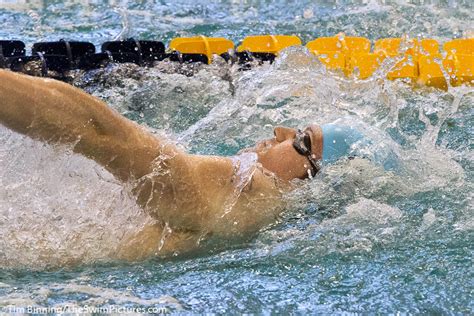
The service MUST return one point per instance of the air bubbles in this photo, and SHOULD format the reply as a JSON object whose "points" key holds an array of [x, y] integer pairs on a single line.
{"points": [[308, 13], [36, 21], [356, 72]]}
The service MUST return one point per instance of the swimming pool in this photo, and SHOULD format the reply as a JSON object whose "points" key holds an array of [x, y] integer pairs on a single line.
{"points": [[356, 239]]}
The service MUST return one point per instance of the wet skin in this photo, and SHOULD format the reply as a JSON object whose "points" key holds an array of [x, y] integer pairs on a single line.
{"points": [[279, 156], [192, 196]]}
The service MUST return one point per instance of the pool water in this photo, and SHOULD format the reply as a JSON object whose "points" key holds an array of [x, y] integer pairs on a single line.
{"points": [[357, 238]]}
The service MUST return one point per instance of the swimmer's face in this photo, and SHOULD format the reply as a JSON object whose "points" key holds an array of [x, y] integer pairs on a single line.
{"points": [[279, 156]]}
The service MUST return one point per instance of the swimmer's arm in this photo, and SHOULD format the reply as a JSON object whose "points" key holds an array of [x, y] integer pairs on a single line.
{"points": [[232, 211], [55, 112], [204, 196], [189, 194]]}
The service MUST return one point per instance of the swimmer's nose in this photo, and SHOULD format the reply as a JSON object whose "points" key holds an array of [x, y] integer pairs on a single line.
{"points": [[283, 133]]}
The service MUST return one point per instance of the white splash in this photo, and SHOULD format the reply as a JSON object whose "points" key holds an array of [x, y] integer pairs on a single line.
{"points": [[58, 208]]}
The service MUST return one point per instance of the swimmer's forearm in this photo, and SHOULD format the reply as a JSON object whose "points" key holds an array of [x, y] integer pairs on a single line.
{"points": [[55, 112]]}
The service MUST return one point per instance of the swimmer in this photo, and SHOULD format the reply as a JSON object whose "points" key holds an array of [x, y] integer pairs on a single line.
{"points": [[192, 197]]}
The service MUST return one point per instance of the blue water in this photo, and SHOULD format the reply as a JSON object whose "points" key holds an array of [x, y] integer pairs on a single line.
{"points": [[357, 238]]}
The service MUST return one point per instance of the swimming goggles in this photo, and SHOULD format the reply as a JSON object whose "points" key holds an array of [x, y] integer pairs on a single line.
{"points": [[302, 145]]}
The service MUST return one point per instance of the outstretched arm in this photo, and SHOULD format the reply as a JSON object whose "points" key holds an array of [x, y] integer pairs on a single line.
{"points": [[191, 194], [55, 112]]}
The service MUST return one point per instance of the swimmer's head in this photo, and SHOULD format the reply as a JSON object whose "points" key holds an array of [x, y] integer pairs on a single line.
{"points": [[291, 154]]}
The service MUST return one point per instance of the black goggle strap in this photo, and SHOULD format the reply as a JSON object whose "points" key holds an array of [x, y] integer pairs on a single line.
{"points": [[315, 166]]}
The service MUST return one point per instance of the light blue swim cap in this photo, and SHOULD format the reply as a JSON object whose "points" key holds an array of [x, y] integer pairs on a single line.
{"points": [[337, 141], [346, 141]]}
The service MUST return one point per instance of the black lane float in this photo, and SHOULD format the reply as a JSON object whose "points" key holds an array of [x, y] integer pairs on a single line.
{"points": [[52, 59]]}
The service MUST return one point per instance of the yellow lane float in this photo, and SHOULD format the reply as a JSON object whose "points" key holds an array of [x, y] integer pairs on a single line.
{"points": [[459, 62], [271, 44], [207, 46], [341, 52], [419, 61]]}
